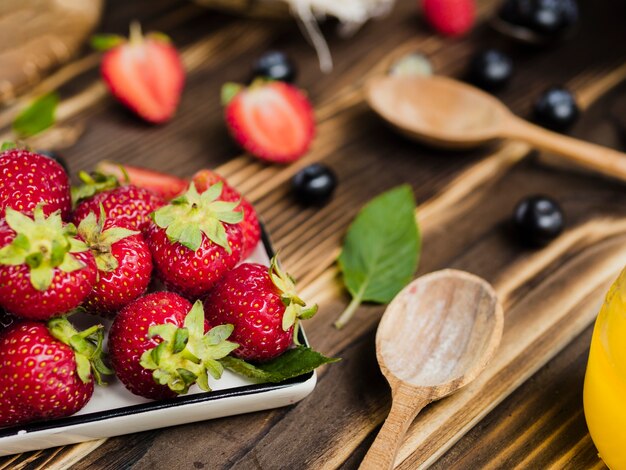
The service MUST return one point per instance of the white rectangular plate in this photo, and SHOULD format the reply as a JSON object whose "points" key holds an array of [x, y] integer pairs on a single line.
{"points": [[113, 410]]}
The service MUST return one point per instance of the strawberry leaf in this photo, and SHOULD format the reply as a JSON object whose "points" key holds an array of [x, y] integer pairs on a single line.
{"points": [[189, 216], [203, 381], [41, 276], [104, 42], [92, 184], [229, 91], [37, 117], [87, 347], [187, 355], [381, 250], [215, 368], [292, 363], [8, 146], [218, 334], [70, 264]]}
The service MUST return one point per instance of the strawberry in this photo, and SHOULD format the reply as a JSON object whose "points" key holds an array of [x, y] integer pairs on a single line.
{"points": [[126, 206], [47, 371], [273, 121], [166, 186], [194, 240], [29, 179], [143, 73], [250, 223], [160, 345], [263, 306], [124, 264], [45, 270], [450, 17]]}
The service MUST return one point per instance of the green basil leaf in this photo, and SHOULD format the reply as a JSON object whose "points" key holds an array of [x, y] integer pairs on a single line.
{"points": [[37, 117], [291, 363], [381, 250]]}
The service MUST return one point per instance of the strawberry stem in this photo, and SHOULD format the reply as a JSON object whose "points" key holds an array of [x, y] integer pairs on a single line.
{"points": [[136, 36]]}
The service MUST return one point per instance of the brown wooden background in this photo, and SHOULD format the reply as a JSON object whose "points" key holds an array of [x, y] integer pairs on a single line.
{"points": [[526, 410]]}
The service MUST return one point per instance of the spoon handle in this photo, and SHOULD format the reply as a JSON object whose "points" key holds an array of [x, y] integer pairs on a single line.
{"points": [[404, 408], [601, 159]]}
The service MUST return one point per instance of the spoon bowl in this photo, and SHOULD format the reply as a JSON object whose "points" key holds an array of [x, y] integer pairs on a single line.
{"points": [[439, 332], [441, 112], [447, 113], [435, 337]]}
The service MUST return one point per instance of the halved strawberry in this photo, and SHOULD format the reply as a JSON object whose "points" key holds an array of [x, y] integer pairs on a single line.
{"points": [[144, 73], [273, 121], [166, 186]]}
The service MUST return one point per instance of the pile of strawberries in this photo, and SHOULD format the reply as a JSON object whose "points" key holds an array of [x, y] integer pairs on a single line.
{"points": [[99, 248]]}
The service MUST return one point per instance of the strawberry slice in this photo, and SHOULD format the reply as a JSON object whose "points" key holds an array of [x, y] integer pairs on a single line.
{"points": [[271, 120], [144, 73], [166, 186]]}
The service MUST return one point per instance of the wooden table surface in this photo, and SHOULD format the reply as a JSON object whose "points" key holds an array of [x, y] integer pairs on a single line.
{"points": [[526, 409]]}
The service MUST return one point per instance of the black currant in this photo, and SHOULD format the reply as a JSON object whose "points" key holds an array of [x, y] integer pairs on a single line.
{"points": [[490, 70], [550, 18], [556, 109], [538, 220], [275, 65], [314, 184]]}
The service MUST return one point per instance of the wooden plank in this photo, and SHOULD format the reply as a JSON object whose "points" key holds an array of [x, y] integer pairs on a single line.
{"points": [[533, 428]]}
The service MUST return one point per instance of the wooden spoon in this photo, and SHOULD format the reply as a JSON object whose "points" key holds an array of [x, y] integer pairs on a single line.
{"points": [[446, 113], [436, 336]]}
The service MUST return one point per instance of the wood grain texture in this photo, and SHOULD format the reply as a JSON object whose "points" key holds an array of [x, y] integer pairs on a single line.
{"points": [[465, 198]]}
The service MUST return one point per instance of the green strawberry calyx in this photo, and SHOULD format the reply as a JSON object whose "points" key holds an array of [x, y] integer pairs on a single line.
{"points": [[231, 89], [100, 241], [106, 42], [92, 184], [44, 244], [87, 347], [295, 307], [187, 355], [189, 216]]}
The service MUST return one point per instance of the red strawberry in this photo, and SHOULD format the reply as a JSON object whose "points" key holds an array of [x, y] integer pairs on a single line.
{"points": [[47, 371], [250, 223], [273, 121], [29, 179], [126, 206], [159, 348], [194, 240], [144, 73], [263, 306], [166, 186], [45, 270], [124, 264], [450, 17]]}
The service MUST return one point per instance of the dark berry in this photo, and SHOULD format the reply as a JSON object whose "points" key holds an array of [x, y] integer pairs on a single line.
{"points": [[314, 184], [556, 109], [538, 220], [490, 70], [275, 65], [56, 157], [544, 17], [6, 320]]}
